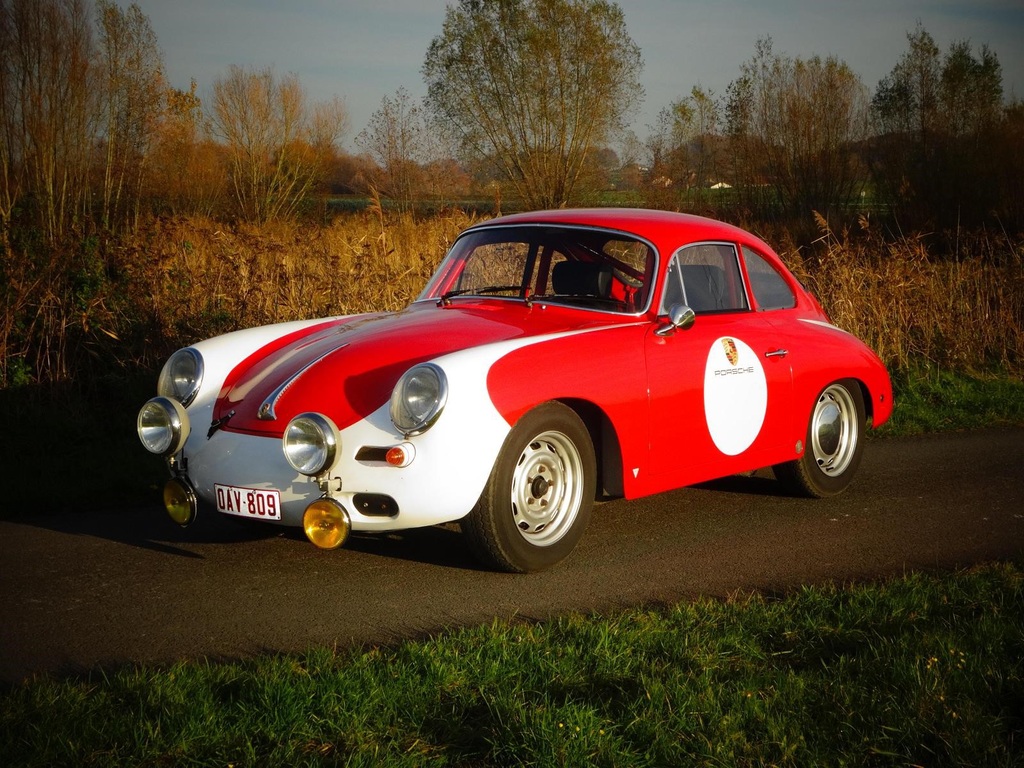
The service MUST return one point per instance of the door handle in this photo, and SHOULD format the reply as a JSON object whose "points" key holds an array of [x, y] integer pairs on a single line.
{"points": [[777, 353]]}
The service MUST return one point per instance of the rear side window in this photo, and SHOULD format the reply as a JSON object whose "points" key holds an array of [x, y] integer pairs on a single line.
{"points": [[770, 289], [706, 278]]}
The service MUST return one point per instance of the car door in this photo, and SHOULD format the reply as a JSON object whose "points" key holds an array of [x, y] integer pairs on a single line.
{"points": [[719, 391]]}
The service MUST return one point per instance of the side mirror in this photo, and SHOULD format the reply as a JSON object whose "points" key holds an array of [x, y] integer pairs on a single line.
{"points": [[680, 317]]}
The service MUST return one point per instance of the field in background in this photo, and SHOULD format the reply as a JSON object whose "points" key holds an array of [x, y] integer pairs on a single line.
{"points": [[110, 307]]}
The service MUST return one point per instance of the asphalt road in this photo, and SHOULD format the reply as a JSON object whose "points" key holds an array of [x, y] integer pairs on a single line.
{"points": [[82, 591]]}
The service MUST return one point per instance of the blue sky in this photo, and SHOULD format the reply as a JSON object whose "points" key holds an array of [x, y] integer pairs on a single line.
{"points": [[363, 50]]}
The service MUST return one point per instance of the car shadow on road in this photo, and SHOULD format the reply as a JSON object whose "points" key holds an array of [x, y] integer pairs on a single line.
{"points": [[760, 483], [148, 528], [151, 529], [439, 545]]}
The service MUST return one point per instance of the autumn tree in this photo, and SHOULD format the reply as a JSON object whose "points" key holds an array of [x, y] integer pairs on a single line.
{"points": [[279, 146], [534, 86], [794, 125], [131, 101], [186, 170]]}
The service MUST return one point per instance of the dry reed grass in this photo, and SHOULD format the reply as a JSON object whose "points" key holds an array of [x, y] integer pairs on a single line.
{"points": [[200, 277], [124, 305], [965, 312]]}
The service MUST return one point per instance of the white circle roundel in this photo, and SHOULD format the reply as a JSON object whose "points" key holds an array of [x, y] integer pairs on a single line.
{"points": [[735, 395]]}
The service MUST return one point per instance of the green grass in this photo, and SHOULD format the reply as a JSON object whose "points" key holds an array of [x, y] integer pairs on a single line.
{"points": [[921, 670], [934, 400]]}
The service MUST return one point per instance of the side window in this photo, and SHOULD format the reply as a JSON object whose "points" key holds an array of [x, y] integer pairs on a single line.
{"points": [[769, 287], [673, 293], [706, 278]]}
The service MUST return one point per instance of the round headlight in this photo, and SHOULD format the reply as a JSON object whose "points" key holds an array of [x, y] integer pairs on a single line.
{"points": [[418, 398], [182, 375], [310, 443], [163, 426]]}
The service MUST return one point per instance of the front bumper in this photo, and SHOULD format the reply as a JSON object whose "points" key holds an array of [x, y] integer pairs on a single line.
{"points": [[440, 484]]}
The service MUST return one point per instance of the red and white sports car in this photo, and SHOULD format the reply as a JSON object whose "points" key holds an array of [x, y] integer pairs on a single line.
{"points": [[554, 357]]}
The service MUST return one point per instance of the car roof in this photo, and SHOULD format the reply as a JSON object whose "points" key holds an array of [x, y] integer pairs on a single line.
{"points": [[652, 224]]}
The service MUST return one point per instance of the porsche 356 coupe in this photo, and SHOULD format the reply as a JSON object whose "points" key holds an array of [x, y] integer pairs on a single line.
{"points": [[555, 358]]}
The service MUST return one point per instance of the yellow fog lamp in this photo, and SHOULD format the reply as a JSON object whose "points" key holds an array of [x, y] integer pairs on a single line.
{"points": [[180, 501], [326, 523]]}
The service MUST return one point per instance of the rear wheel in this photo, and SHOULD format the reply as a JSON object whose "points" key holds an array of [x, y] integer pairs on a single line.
{"points": [[537, 502], [835, 442]]}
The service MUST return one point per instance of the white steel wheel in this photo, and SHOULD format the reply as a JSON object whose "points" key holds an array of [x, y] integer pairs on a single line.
{"points": [[835, 443], [538, 499], [547, 488], [834, 433]]}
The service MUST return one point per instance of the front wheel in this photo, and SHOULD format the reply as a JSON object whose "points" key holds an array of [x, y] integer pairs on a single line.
{"points": [[537, 502], [835, 442]]}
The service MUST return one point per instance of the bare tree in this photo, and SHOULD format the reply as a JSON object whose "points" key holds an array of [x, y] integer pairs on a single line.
{"points": [[667, 144], [907, 99], [48, 110], [939, 124], [682, 148], [795, 124], [706, 141], [534, 86], [132, 97], [279, 147], [396, 139]]}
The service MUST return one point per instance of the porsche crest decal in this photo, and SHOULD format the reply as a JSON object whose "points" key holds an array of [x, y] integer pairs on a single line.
{"points": [[735, 395], [730, 351]]}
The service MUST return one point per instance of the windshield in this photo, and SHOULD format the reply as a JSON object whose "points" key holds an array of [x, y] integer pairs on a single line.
{"points": [[581, 266]]}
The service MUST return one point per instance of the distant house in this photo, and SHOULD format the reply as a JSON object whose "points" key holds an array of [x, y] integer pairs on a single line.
{"points": [[721, 185]]}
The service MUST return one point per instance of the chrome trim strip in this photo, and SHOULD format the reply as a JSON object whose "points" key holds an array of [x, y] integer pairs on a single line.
{"points": [[266, 411]]}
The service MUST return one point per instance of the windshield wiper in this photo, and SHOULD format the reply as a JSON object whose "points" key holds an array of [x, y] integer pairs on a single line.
{"points": [[447, 296]]}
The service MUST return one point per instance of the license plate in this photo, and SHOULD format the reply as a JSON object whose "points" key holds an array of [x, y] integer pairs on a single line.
{"points": [[248, 502]]}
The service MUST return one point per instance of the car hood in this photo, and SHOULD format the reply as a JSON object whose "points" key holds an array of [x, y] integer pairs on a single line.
{"points": [[346, 368]]}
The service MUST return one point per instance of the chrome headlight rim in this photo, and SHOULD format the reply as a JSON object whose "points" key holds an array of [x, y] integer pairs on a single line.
{"points": [[182, 376], [310, 443], [410, 421], [163, 426]]}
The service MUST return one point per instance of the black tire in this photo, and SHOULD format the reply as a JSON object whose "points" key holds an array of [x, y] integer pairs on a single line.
{"points": [[539, 497], [835, 443]]}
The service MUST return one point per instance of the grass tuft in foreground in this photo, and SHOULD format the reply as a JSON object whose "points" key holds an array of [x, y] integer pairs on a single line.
{"points": [[925, 670]]}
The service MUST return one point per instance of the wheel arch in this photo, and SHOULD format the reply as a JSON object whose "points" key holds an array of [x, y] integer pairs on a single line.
{"points": [[605, 440], [875, 398], [865, 391]]}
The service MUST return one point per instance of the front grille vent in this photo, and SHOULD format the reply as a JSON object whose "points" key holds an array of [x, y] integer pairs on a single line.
{"points": [[375, 505]]}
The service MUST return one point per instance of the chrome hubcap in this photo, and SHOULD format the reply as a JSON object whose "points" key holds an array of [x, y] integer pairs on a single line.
{"points": [[834, 430], [547, 488]]}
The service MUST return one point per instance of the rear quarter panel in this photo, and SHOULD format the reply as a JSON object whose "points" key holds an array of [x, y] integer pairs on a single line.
{"points": [[820, 354]]}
